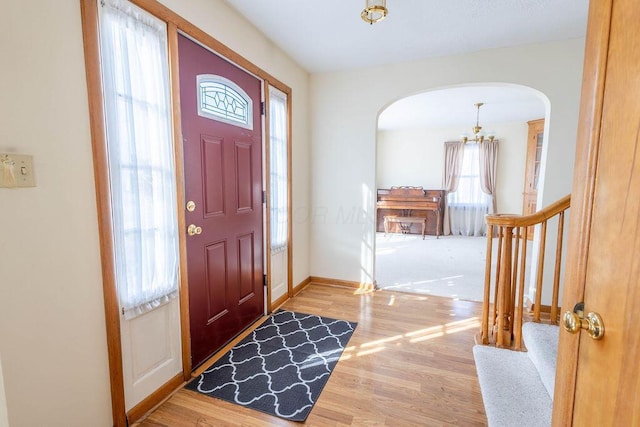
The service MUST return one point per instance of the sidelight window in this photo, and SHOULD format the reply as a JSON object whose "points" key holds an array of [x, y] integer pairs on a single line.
{"points": [[134, 63], [278, 137]]}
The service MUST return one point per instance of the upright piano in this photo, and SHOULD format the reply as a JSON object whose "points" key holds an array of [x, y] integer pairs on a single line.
{"points": [[410, 202]]}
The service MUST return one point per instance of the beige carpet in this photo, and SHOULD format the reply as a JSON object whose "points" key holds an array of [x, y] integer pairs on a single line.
{"points": [[517, 396], [451, 266]]}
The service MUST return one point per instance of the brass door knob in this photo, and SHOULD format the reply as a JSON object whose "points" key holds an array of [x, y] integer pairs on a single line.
{"points": [[193, 230], [593, 324]]}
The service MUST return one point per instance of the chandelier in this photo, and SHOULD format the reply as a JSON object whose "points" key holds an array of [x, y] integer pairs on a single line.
{"points": [[374, 11], [478, 134]]}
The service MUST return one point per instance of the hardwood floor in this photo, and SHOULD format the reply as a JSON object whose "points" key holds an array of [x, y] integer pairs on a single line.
{"points": [[408, 363]]}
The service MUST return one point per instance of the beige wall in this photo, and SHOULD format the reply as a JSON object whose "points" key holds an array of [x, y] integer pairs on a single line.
{"points": [[345, 107], [4, 417], [416, 157], [52, 331]]}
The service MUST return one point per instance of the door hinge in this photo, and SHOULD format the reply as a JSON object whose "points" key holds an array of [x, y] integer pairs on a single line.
{"points": [[262, 108], [266, 281], [264, 196]]}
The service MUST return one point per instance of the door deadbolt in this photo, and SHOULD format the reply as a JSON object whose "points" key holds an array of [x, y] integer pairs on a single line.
{"points": [[193, 230], [191, 206], [574, 320]]}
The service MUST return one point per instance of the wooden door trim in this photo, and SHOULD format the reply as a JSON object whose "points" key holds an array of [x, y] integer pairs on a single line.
{"points": [[272, 304], [174, 77], [90, 28], [587, 147], [267, 184], [154, 399], [290, 290]]}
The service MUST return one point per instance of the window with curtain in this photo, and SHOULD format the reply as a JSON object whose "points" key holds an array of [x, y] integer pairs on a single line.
{"points": [[135, 75], [278, 169], [468, 205]]}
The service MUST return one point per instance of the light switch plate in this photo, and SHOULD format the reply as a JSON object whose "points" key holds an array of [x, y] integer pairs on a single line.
{"points": [[16, 170]]}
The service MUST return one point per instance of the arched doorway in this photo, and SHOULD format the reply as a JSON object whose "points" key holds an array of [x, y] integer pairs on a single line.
{"points": [[410, 153]]}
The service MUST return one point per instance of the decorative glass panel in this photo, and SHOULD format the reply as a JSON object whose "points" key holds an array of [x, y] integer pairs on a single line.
{"points": [[536, 174], [221, 99]]}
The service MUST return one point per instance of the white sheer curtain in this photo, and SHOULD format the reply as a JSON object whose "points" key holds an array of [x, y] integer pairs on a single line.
{"points": [[451, 172], [278, 169], [468, 205], [141, 164], [488, 171]]}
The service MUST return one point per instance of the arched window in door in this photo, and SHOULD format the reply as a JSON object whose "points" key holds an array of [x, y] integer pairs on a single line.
{"points": [[223, 100]]}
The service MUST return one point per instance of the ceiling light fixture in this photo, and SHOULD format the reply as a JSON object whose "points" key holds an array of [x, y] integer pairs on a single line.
{"points": [[374, 11], [478, 134]]}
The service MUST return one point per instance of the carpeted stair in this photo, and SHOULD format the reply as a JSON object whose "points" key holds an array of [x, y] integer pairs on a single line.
{"points": [[517, 387]]}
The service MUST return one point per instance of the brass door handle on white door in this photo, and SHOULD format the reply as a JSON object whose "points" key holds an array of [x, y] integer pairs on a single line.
{"points": [[193, 229]]}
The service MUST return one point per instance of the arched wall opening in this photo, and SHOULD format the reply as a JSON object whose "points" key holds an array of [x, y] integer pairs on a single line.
{"points": [[409, 149], [344, 122]]}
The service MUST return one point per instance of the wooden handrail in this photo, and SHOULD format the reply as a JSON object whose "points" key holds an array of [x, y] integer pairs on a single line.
{"points": [[512, 220], [502, 320]]}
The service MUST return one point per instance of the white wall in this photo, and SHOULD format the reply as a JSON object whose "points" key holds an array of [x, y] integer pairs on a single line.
{"points": [[416, 157], [52, 328], [345, 107]]}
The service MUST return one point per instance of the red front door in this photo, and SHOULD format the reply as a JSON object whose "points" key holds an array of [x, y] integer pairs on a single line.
{"points": [[223, 180]]}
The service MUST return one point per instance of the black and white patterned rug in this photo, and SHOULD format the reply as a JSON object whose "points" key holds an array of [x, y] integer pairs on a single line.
{"points": [[281, 367]]}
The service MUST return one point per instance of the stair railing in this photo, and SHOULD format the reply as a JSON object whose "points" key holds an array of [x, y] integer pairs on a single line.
{"points": [[502, 321]]}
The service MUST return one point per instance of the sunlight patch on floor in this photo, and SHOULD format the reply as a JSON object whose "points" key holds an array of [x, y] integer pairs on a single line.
{"points": [[432, 286], [387, 251], [370, 351], [398, 237], [413, 337], [382, 341], [452, 266], [460, 276]]}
